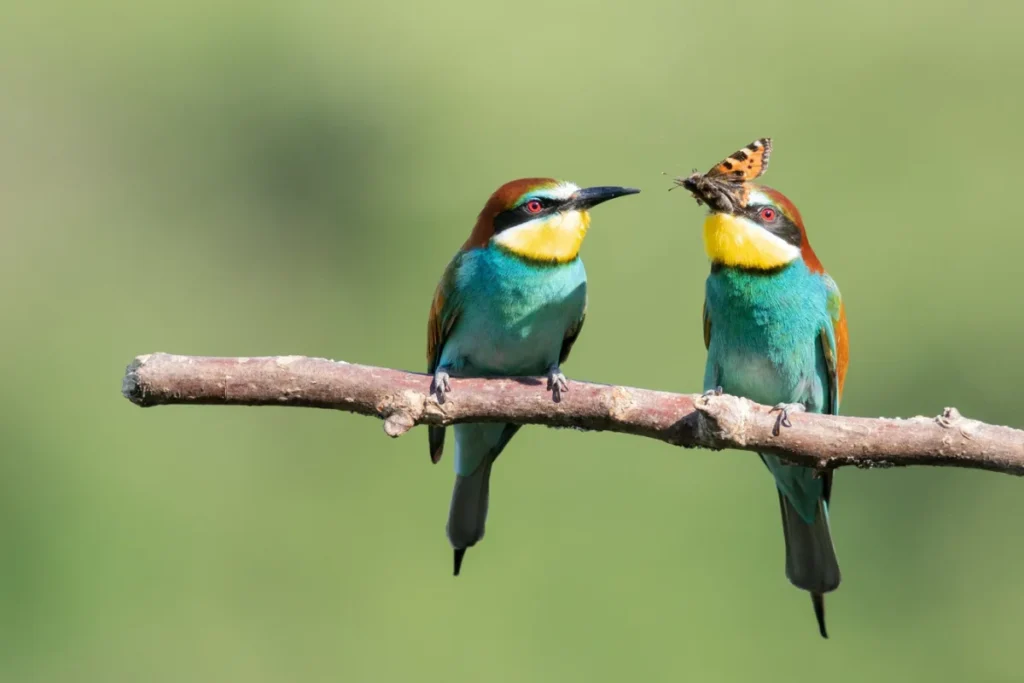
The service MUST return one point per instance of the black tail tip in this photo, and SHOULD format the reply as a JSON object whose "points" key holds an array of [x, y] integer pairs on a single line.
{"points": [[819, 612], [459, 554]]}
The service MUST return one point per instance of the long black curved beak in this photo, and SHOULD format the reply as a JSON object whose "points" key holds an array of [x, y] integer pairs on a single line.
{"points": [[592, 196]]}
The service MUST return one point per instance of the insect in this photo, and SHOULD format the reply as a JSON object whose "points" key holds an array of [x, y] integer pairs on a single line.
{"points": [[724, 188]]}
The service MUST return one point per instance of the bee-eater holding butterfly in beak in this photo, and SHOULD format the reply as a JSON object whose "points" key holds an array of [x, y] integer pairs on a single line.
{"points": [[511, 303], [775, 331]]}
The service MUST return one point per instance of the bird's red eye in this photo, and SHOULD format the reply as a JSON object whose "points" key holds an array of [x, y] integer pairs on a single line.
{"points": [[768, 214], [534, 206]]}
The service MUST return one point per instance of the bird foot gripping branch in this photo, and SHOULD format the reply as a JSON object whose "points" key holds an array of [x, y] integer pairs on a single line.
{"points": [[557, 383], [441, 384], [784, 410]]}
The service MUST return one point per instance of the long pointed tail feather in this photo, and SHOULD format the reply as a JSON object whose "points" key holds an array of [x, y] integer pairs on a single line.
{"points": [[467, 515], [818, 600], [811, 562]]}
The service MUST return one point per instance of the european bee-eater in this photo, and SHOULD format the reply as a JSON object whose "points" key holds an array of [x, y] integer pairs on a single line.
{"points": [[775, 331], [510, 303]]}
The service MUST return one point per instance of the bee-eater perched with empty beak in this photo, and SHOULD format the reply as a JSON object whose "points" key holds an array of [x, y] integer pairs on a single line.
{"points": [[775, 331], [511, 303]]}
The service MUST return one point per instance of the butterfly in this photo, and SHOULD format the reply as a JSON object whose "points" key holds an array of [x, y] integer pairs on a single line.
{"points": [[724, 188]]}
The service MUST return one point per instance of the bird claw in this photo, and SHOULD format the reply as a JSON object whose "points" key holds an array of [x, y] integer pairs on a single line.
{"points": [[440, 386], [557, 383], [784, 410], [717, 391]]}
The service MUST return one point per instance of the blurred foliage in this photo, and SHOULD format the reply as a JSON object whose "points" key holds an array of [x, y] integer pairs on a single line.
{"points": [[246, 179]]}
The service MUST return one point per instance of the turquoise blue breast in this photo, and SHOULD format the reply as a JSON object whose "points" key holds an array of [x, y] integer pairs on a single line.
{"points": [[765, 334], [514, 314]]}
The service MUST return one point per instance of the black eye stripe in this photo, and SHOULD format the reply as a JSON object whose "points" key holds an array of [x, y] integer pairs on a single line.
{"points": [[520, 214], [780, 225]]}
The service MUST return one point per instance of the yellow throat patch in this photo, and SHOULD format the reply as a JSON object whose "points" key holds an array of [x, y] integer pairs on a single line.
{"points": [[739, 242], [555, 239]]}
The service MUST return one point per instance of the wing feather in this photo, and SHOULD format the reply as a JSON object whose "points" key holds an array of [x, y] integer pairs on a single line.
{"points": [[571, 335], [707, 325], [835, 345], [444, 313]]}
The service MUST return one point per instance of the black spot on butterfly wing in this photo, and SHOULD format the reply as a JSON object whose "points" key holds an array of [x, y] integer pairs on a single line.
{"points": [[766, 143]]}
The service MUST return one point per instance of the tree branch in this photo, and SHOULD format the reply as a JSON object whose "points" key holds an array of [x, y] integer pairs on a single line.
{"points": [[402, 400]]}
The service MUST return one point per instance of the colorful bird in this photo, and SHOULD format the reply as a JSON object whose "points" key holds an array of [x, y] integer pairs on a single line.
{"points": [[775, 331], [511, 303]]}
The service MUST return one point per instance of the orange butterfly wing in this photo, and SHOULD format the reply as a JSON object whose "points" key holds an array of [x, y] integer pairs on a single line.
{"points": [[745, 164]]}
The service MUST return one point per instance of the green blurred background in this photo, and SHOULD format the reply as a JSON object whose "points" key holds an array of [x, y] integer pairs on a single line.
{"points": [[254, 179]]}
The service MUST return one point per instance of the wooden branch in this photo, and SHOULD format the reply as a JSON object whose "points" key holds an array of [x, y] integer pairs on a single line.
{"points": [[402, 400]]}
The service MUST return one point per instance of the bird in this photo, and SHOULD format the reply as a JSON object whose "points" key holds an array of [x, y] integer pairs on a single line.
{"points": [[511, 302], [775, 332]]}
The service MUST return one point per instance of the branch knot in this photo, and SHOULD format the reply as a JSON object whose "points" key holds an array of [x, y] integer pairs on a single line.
{"points": [[722, 421]]}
